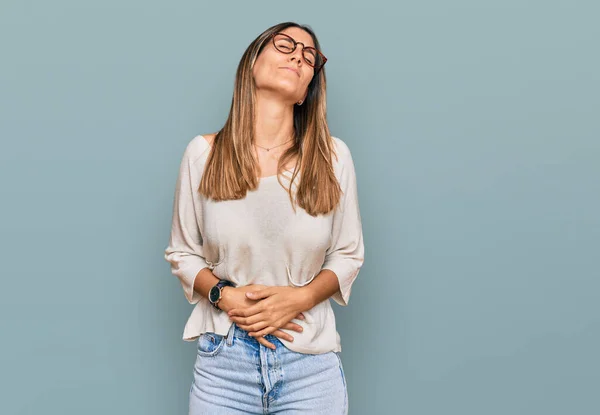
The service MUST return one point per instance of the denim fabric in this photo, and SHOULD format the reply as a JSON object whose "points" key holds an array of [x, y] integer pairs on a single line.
{"points": [[235, 374]]}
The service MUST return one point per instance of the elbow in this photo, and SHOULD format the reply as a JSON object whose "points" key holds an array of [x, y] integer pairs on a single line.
{"points": [[346, 270], [186, 266]]}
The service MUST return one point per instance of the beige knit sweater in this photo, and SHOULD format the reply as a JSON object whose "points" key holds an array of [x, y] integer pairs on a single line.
{"points": [[260, 240]]}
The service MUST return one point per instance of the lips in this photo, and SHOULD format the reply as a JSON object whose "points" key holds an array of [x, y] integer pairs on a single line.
{"points": [[291, 69]]}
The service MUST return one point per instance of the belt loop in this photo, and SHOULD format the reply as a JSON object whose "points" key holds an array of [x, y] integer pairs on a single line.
{"points": [[230, 334]]}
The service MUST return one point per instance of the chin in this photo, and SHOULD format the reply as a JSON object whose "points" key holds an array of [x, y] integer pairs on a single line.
{"points": [[287, 91]]}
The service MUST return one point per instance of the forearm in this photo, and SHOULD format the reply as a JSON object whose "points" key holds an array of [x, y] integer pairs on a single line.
{"points": [[323, 286], [204, 281]]}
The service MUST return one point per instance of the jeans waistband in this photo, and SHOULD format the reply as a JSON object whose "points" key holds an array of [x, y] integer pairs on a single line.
{"points": [[235, 331]]}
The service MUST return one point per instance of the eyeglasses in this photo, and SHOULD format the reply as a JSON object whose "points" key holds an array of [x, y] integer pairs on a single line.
{"points": [[286, 44]]}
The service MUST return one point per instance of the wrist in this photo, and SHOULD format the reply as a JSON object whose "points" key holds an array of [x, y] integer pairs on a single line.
{"points": [[216, 293], [224, 294], [307, 297]]}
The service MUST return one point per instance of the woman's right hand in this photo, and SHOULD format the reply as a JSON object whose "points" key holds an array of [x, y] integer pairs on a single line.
{"points": [[235, 297]]}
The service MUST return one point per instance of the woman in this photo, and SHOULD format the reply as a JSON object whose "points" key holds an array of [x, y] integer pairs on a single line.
{"points": [[266, 228]]}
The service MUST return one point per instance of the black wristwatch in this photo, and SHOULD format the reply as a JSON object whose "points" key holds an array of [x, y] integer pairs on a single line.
{"points": [[214, 295]]}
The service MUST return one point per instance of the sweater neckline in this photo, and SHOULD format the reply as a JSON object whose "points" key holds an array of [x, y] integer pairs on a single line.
{"points": [[264, 178]]}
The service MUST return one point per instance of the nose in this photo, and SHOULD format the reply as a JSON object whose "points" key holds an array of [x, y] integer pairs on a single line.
{"points": [[297, 54]]}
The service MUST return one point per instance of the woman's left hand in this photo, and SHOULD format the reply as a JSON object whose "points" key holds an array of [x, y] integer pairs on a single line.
{"points": [[277, 306]]}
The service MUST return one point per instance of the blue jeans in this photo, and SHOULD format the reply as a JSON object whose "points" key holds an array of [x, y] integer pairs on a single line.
{"points": [[235, 374]]}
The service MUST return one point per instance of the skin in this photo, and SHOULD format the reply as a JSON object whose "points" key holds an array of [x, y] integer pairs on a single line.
{"points": [[277, 91], [260, 309]]}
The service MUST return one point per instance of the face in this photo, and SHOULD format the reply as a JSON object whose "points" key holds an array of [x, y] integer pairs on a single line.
{"points": [[285, 74]]}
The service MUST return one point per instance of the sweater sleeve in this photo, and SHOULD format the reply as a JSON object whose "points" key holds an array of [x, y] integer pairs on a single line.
{"points": [[184, 251], [345, 256]]}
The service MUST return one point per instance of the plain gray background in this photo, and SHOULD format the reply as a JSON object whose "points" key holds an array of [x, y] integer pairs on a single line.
{"points": [[474, 127]]}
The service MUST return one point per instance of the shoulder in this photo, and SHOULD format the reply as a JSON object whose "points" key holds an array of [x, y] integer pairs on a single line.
{"points": [[198, 147], [343, 156], [208, 138]]}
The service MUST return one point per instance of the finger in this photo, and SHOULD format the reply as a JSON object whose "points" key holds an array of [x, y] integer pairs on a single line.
{"points": [[293, 326], [283, 335], [264, 332], [300, 316], [247, 320], [246, 312], [260, 294], [253, 328], [246, 328], [266, 343]]}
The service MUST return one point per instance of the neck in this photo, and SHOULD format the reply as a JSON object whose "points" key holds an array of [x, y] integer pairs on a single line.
{"points": [[274, 122]]}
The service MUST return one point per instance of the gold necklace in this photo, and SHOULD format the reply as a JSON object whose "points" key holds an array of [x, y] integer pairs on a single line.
{"points": [[269, 149]]}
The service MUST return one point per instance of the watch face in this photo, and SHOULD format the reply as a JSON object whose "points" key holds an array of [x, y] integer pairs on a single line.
{"points": [[214, 294]]}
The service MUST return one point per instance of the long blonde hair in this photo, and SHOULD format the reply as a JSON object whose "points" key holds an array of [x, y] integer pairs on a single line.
{"points": [[232, 169]]}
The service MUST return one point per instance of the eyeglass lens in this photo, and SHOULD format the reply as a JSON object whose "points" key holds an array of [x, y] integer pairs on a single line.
{"points": [[286, 45]]}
